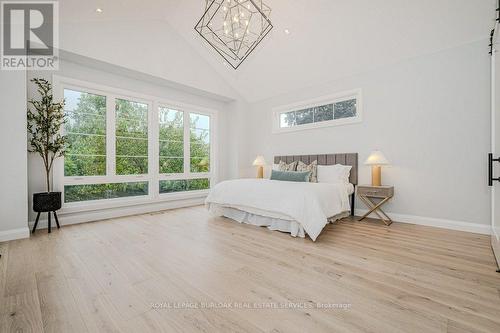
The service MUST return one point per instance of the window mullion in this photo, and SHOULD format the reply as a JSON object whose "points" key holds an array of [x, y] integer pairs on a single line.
{"points": [[110, 136], [154, 150], [213, 170], [187, 145]]}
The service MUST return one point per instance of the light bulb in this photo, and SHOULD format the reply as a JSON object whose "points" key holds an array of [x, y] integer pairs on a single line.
{"points": [[236, 35], [226, 32], [246, 22], [225, 23], [224, 8]]}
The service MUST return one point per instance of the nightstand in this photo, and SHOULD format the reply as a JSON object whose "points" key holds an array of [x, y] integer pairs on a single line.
{"points": [[370, 194]]}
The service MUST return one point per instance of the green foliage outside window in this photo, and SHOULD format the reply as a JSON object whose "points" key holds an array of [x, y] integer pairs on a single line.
{"points": [[74, 193], [337, 110], [171, 140], [200, 142], [131, 137], [182, 185], [86, 133]]}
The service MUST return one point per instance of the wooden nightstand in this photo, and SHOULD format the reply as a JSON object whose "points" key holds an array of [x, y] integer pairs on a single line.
{"points": [[368, 193]]}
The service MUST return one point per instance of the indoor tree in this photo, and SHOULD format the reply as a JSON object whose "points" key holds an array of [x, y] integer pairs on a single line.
{"points": [[45, 118]]}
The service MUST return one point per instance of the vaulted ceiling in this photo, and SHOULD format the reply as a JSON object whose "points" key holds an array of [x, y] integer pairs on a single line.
{"points": [[328, 40]]}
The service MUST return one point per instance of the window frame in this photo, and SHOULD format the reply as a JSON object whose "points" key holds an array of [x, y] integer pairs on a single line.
{"points": [[187, 174], [150, 105], [153, 176], [323, 100]]}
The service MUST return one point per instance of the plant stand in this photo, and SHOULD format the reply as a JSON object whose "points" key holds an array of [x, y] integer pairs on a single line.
{"points": [[49, 203], [49, 222]]}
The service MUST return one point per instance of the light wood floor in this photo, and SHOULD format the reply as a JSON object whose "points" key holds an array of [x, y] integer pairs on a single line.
{"points": [[121, 275]]}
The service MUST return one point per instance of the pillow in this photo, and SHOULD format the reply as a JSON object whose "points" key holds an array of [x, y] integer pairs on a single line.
{"points": [[313, 168], [290, 176], [287, 167], [337, 173], [276, 166]]}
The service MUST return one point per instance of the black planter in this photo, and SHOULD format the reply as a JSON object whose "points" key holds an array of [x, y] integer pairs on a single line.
{"points": [[46, 202]]}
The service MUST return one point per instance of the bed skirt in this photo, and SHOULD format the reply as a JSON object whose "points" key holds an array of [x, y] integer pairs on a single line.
{"points": [[275, 223]]}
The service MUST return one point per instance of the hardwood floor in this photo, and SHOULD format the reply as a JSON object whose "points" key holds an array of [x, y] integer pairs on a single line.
{"points": [[182, 271]]}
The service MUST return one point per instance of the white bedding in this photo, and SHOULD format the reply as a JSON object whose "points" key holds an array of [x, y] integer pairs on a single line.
{"points": [[309, 204]]}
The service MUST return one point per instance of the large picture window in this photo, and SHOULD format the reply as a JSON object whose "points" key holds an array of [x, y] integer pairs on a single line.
{"points": [[199, 142], [86, 131], [132, 146], [184, 147], [338, 109], [131, 137], [171, 127]]}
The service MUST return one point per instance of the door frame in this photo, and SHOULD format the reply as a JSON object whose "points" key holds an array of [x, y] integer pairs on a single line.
{"points": [[495, 238]]}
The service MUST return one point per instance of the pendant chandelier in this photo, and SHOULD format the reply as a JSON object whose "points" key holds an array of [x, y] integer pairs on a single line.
{"points": [[234, 27]]}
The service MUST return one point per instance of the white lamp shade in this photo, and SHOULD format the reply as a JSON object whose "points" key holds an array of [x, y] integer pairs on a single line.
{"points": [[259, 161], [376, 158]]}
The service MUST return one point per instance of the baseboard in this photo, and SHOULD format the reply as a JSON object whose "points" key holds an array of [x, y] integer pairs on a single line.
{"points": [[13, 234], [435, 222], [104, 214]]}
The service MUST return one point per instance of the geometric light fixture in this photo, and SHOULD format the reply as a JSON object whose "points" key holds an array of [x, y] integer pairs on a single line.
{"points": [[234, 28]]}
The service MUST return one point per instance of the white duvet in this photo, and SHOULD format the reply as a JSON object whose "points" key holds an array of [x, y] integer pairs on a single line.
{"points": [[310, 204]]}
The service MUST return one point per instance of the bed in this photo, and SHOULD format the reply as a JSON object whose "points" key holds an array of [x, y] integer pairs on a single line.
{"points": [[298, 208]]}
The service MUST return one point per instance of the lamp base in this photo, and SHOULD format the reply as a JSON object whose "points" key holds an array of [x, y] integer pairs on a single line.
{"points": [[260, 172], [376, 175]]}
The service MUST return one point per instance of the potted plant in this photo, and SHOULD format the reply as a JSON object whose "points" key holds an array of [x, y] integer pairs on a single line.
{"points": [[45, 118]]}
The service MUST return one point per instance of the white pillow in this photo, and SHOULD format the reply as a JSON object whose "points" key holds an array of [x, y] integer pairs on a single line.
{"points": [[337, 173], [276, 166]]}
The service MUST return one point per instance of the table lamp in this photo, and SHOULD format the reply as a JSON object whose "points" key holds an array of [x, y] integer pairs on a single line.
{"points": [[376, 159], [259, 163]]}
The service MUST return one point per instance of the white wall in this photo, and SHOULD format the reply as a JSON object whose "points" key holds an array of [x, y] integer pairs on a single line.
{"points": [[97, 75], [13, 168], [147, 46], [429, 115], [236, 132]]}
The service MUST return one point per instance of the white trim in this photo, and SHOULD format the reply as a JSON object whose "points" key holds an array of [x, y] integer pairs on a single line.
{"points": [[484, 229], [153, 150], [181, 176], [110, 139], [495, 235], [92, 205], [14, 234], [186, 142], [110, 213], [329, 99]]}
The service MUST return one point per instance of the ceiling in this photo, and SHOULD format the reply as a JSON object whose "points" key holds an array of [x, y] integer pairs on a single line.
{"points": [[329, 39]]}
